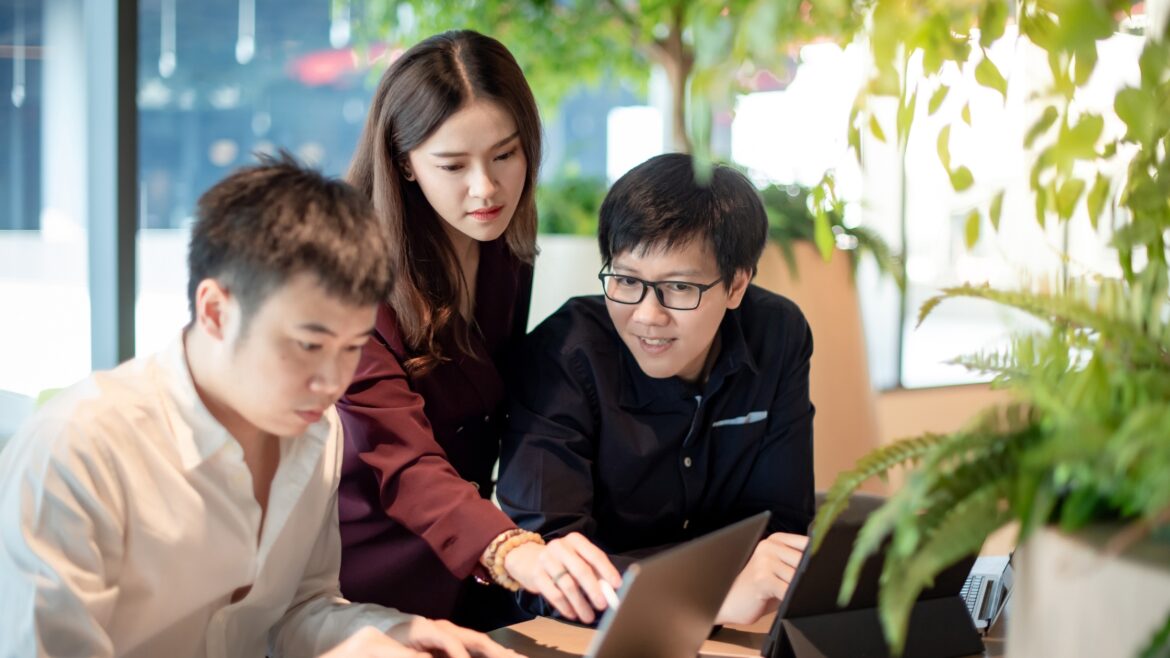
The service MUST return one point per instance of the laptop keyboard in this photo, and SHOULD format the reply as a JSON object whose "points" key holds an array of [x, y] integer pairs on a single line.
{"points": [[970, 592]]}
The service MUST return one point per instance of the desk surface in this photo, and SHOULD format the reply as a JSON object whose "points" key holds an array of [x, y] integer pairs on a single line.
{"points": [[548, 638]]}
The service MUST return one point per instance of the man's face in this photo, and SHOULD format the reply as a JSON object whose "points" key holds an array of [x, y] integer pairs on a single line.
{"points": [[667, 342], [295, 357]]}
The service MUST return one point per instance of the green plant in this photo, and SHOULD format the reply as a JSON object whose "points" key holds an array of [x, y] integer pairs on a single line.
{"points": [[708, 49], [570, 205], [1085, 438], [797, 213]]}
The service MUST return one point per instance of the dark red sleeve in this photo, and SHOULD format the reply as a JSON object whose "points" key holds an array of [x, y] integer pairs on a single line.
{"points": [[418, 488]]}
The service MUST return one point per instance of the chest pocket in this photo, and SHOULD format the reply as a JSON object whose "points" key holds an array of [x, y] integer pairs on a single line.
{"points": [[736, 441], [746, 419]]}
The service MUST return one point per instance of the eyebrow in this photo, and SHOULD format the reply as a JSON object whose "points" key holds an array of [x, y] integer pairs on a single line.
{"points": [[454, 154], [318, 328], [665, 277]]}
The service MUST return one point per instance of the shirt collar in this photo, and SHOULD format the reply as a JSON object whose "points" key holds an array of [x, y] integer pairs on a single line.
{"points": [[198, 435], [639, 390]]}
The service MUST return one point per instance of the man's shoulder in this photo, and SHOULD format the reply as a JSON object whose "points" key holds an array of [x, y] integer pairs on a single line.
{"points": [[580, 323], [97, 415], [764, 310]]}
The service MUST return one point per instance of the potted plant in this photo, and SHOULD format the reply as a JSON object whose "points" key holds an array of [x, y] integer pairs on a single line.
{"points": [[1081, 457]]}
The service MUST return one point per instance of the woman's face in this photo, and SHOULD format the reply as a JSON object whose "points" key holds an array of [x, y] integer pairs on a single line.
{"points": [[472, 170]]}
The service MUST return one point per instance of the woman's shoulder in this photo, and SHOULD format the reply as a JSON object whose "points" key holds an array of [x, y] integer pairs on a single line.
{"points": [[388, 332]]}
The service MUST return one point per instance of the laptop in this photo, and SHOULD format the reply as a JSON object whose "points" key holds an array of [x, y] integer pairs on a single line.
{"points": [[987, 589], [668, 602], [809, 623]]}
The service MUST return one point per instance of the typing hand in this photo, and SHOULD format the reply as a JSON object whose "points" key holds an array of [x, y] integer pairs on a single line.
{"points": [[566, 572], [761, 585], [370, 642], [439, 637]]}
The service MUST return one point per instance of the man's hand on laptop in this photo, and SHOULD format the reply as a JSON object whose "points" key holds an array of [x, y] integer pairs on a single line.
{"points": [[419, 638], [566, 572], [761, 585]]}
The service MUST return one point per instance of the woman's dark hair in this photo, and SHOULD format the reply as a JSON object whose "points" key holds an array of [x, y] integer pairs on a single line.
{"points": [[660, 205], [423, 88], [262, 225]]}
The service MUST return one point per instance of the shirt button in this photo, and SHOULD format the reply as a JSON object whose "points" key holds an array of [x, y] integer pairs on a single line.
{"points": [[686, 522], [487, 419], [687, 462], [459, 430]]}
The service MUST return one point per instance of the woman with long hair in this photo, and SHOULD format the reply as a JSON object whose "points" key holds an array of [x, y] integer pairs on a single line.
{"points": [[449, 155]]}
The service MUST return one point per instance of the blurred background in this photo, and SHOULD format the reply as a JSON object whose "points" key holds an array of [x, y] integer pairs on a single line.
{"points": [[215, 81]]}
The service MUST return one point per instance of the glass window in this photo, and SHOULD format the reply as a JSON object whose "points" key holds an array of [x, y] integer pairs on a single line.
{"points": [[44, 337], [795, 134], [219, 81]]}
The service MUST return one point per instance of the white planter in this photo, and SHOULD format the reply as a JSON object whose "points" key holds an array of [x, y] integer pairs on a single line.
{"points": [[1073, 600], [566, 267]]}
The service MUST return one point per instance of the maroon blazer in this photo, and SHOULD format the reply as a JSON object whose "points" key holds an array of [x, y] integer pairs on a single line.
{"points": [[419, 453]]}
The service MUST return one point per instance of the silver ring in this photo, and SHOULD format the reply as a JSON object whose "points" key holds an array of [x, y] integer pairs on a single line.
{"points": [[562, 574]]}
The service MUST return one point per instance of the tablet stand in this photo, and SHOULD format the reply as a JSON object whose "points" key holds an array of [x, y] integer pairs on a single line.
{"points": [[939, 628]]}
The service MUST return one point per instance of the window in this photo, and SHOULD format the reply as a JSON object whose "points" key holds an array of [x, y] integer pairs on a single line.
{"points": [[219, 81], [45, 334]]}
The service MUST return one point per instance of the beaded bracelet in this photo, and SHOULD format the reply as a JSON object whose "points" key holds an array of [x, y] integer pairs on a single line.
{"points": [[496, 552]]}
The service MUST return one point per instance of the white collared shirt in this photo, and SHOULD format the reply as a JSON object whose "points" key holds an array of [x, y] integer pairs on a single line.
{"points": [[127, 521]]}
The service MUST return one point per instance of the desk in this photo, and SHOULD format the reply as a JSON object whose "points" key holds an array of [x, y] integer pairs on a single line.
{"points": [[548, 638]]}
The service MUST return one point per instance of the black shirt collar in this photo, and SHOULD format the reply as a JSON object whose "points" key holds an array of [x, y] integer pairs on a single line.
{"points": [[641, 391]]}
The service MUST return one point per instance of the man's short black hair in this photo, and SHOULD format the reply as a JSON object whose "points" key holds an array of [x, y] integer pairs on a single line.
{"points": [[263, 225], [659, 205]]}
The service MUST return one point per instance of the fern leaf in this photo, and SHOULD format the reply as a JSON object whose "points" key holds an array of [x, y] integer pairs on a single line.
{"points": [[1159, 645], [877, 463], [964, 529]]}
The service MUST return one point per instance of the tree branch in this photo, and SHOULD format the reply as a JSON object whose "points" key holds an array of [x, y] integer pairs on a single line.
{"points": [[655, 50]]}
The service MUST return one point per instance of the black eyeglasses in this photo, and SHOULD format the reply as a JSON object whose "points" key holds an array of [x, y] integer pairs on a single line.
{"points": [[677, 295]]}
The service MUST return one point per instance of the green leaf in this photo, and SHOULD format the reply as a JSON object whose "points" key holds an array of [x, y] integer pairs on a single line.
{"points": [[1137, 109], [904, 118], [1159, 644], [963, 529], [962, 179], [876, 129], [966, 113], [1153, 62], [937, 98], [823, 234], [971, 230], [1085, 61], [1098, 195], [1067, 197], [944, 146], [988, 75], [1041, 205], [996, 210], [1047, 118], [875, 464], [1080, 141], [992, 22]]}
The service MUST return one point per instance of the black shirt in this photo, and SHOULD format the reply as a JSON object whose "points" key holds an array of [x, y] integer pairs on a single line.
{"points": [[637, 464]]}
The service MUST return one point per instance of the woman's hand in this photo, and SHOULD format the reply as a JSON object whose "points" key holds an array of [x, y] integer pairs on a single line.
{"points": [[566, 572]]}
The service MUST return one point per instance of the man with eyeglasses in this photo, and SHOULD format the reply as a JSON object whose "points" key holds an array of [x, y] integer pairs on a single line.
{"points": [[677, 402]]}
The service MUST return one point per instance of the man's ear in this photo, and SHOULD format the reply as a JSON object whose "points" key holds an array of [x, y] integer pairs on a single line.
{"points": [[213, 307], [739, 286]]}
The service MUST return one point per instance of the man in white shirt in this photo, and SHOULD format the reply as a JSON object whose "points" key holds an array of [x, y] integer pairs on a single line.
{"points": [[185, 503]]}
